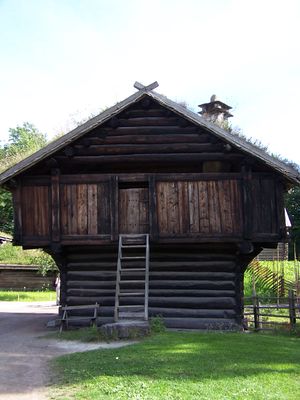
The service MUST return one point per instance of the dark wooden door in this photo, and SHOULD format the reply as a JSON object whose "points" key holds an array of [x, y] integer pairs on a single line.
{"points": [[133, 210]]}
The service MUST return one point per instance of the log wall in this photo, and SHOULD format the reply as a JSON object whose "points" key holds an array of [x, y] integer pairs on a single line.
{"points": [[188, 287], [20, 277]]}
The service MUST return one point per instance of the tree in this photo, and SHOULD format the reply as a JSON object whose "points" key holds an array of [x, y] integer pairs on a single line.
{"points": [[22, 141], [292, 202]]}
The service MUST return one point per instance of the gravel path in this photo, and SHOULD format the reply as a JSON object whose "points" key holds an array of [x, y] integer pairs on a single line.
{"points": [[24, 355]]}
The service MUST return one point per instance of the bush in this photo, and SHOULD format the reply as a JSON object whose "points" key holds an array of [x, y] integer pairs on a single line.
{"points": [[10, 254]]}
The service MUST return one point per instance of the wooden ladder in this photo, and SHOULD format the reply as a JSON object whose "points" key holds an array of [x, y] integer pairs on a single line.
{"points": [[132, 281]]}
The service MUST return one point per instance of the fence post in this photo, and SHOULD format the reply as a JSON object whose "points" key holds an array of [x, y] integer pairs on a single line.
{"points": [[255, 311], [292, 309]]}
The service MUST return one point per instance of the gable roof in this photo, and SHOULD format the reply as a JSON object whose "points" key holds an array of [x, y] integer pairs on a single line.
{"points": [[286, 170]]}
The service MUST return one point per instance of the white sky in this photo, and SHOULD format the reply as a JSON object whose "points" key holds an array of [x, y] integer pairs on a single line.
{"points": [[65, 59]]}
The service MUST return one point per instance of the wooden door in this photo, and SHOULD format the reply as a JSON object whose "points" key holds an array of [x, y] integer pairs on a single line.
{"points": [[134, 210]]}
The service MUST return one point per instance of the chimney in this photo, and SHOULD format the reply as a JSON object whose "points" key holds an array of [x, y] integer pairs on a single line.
{"points": [[215, 111]]}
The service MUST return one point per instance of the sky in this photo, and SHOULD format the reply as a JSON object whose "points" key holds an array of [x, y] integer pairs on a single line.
{"points": [[64, 60]]}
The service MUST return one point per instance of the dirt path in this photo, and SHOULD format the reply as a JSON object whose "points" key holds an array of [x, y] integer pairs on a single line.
{"points": [[24, 355]]}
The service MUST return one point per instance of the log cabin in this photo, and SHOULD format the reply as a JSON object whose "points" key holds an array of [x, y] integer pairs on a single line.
{"points": [[204, 200]]}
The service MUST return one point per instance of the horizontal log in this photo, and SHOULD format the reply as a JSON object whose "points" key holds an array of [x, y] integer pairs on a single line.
{"points": [[101, 275], [182, 302], [107, 311], [91, 284], [153, 130], [145, 139], [153, 276], [141, 112], [206, 269], [218, 287], [83, 292], [96, 265], [123, 149], [158, 158], [191, 313], [149, 121], [144, 177]]}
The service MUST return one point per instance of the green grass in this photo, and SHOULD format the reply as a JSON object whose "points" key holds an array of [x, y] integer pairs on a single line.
{"points": [[9, 295], [185, 366]]}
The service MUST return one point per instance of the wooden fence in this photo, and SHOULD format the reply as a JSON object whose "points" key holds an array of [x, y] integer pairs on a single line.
{"points": [[271, 313]]}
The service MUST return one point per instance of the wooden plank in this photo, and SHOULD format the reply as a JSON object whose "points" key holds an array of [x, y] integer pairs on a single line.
{"points": [[183, 204], [55, 206], [162, 206], [28, 210], [226, 206], [73, 218], [203, 207], [64, 205], [144, 210], [194, 207], [44, 210], [172, 209], [236, 206], [251, 209], [153, 209], [105, 200], [92, 209], [82, 210]]}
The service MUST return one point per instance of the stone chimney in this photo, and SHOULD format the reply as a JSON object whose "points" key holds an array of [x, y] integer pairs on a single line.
{"points": [[215, 111]]}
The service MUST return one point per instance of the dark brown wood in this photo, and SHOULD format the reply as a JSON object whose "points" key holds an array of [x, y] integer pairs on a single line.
{"points": [[124, 149], [144, 139], [153, 158], [55, 206]]}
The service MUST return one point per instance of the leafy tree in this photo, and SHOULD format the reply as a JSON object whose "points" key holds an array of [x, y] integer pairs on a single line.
{"points": [[23, 141], [292, 202], [6, 211]]}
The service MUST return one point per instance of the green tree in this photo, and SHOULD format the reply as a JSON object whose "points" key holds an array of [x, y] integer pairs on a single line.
{"points": [[292, 202], [22, 141]]}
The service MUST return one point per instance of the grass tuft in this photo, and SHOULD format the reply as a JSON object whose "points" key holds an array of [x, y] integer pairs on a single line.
{"points": [[8, 295]]}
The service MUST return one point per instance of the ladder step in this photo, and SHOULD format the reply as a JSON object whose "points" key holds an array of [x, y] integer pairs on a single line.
{"points": [[133, 235], [133, 246], [132, 269], [133, 258], [130, 306], [131, 314], [131, 294]]}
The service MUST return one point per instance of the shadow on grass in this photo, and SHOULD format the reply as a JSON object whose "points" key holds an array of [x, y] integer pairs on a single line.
{"points": [[188, 356]]}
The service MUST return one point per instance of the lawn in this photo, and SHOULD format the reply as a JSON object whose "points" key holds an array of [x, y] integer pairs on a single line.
{"points": [[177, 366], [9, 295]]}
